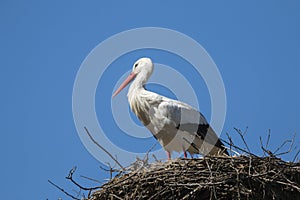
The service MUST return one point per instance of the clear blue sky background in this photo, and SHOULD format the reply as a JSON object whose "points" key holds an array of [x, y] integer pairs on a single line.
{"points": [[256, 46]]}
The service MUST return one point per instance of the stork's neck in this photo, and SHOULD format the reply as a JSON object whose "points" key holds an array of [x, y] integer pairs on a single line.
{"points": [[136, 86], [136, 98]]}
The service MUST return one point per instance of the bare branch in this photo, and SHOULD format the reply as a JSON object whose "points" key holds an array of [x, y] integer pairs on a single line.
{"points": [[242, 136], [262, 146], [91, 179], [103, 149], [231, 143], [151, 148], [283, 144], [111, 170], [296, 156], [265, 151], [70, 177], [78, 193], [236, 147], [268, 139], [155, 158], [66, 193]]}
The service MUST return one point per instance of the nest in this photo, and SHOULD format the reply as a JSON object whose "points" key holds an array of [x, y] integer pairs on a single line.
{"points": [[241, 177]]}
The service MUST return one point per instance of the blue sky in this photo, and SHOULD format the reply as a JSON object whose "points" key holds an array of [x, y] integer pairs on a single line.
{"points": [[255, 45]]}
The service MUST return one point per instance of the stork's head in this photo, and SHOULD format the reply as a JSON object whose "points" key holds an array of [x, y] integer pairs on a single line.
{"points": [[142, 68], [142, 64]]}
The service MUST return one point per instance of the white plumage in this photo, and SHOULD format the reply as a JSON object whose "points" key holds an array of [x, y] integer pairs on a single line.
{"points": [[176, 125]]}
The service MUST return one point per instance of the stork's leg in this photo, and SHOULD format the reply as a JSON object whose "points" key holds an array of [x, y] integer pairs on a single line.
{"points": [[184, 154], [169, 155]]}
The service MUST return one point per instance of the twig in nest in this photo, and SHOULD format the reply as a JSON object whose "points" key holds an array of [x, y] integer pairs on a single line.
{"points": [[265, 150], [151, 148], [296, 156], [155, 158], [231, 143], [103, 149], [268, 139], [111, 170], [70, 177], [79, 193], [283, 144], [66, 193], [210, 177], [91, 179], [115, 196], [242, 136], [238, 148]]}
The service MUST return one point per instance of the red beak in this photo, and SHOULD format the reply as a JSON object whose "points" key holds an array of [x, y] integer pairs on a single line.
{"points": [[123, 85]]}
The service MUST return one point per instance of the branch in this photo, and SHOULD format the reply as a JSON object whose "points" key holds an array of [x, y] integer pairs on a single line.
{"points": [[111, 170], [231, 143], [242, 136], [285, 142], [269, 135], [296, 156], [62, 190], [151, 148], [155, 158], [265, 150], [70, 177], [103, 149], [91, 179], [243, 150]]}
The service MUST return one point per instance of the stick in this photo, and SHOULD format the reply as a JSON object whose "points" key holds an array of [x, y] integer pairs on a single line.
{"points": [[103, 149], [242, 136], [62, 190], [70, 177]]}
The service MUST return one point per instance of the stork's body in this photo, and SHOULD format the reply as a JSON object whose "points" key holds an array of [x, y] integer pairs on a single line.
{"points": [[176, 125]]}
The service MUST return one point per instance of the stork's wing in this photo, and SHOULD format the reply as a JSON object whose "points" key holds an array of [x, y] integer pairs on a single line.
{"points": [[180, 116]]}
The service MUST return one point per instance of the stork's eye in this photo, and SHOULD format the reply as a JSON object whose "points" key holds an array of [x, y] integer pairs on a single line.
{"points": [[136, 64]]}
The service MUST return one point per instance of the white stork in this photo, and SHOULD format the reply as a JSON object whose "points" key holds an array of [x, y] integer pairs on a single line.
{"points": [[176, 125]]}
